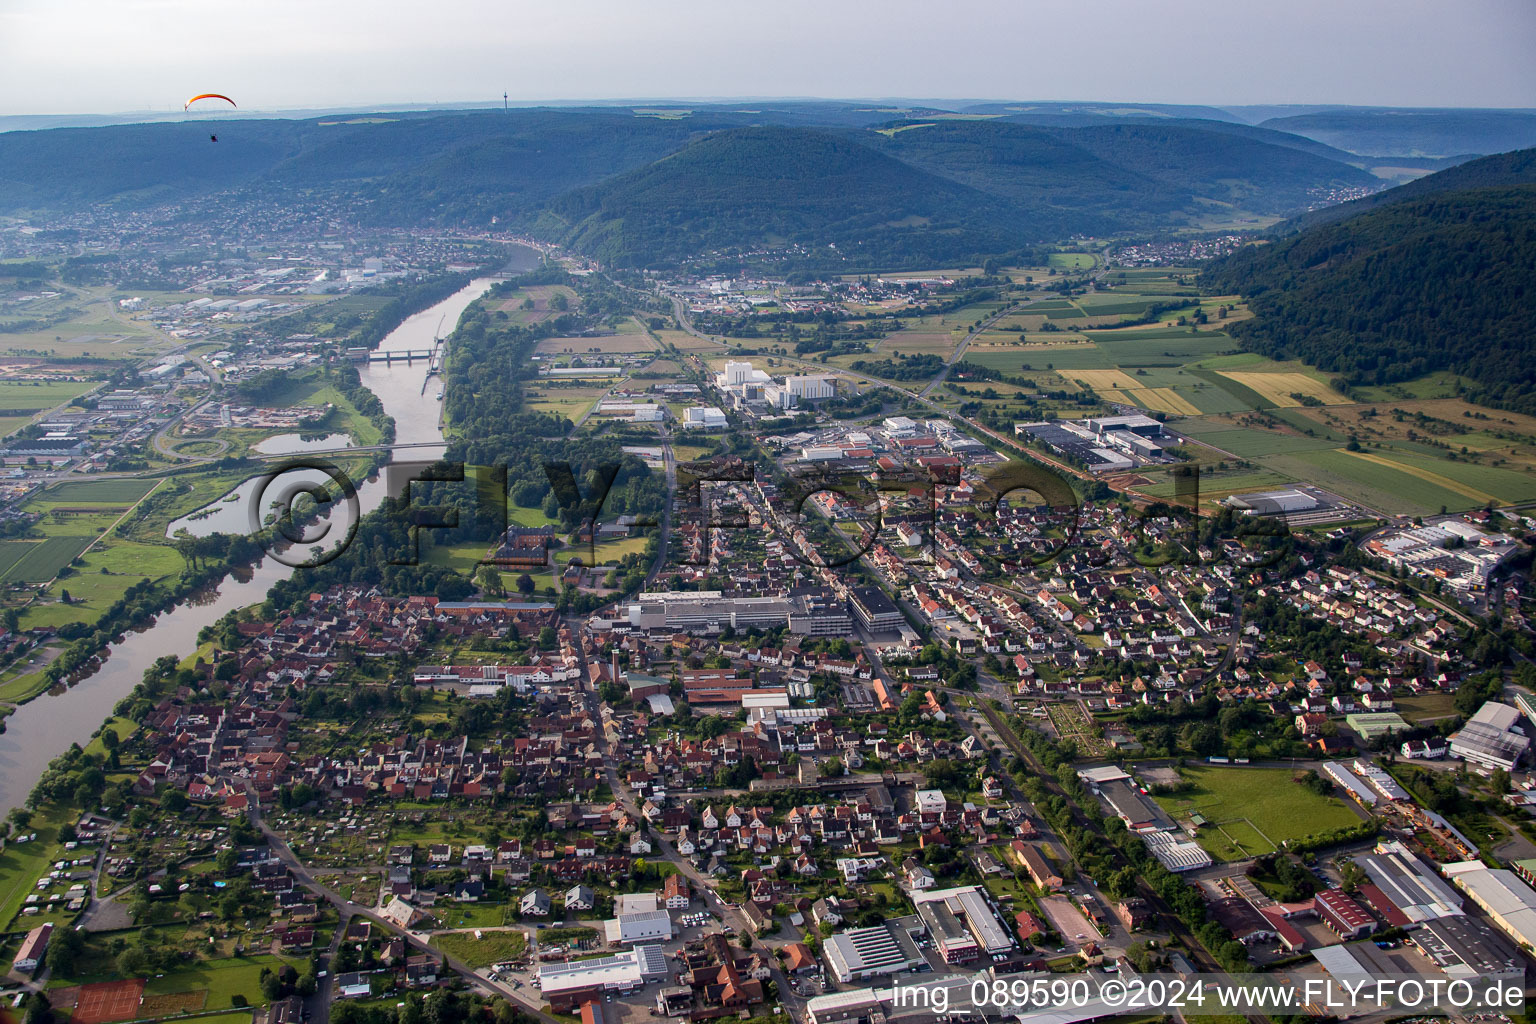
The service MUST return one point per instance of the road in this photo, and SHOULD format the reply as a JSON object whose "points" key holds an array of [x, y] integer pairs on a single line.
{"points": [[346, 910], [954, 357], [703, 885], [1198, 954], [669, 464]]}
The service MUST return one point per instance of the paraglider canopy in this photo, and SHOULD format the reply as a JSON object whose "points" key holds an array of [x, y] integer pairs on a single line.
{"points": [[208, 96]]}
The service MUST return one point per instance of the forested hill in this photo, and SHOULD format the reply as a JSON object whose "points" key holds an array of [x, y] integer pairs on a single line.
{"points": [[1516, 168], [752, 188], [916, 193], [1440, 282]]}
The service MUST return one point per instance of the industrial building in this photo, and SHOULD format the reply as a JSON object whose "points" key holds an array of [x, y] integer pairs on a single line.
{"points": [[1411, 885], [1490, 737], [808, 611], [862, 953], [1465, 947], [1509, 903], [1338, 910], [704, 417], [961, 923], [1272, 503], [568, 985], [1138, 812], [648, 926], [1351, 783], [1174, 853]]}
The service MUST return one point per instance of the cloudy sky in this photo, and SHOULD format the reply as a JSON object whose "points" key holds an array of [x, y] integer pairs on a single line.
{"points": [[103, 56]]}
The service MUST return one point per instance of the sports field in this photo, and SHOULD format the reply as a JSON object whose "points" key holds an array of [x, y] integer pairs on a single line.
{"points": [[105, 1001], [1251, 811]]}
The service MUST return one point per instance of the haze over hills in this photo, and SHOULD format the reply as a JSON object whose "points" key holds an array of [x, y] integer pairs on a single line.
{"points": [[654, 185], [1516, 168], [899, 185], [1398, 291], [1425, 133]]}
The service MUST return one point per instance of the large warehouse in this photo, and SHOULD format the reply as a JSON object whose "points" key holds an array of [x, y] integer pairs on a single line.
{"points": [[1272, 503], [1411, 885], [1509, 902], [1490, 737], [863, 953], [568, 985], [961, 923]]}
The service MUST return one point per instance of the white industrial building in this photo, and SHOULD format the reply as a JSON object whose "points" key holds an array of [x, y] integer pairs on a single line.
{"points": [[1110, 461], [1353, 784], [704, 417], [808, 387], [629, 929], [1270, 503], [622, 972], [1174, 853], [1490, 738], [1509, 903], [862, 953]]}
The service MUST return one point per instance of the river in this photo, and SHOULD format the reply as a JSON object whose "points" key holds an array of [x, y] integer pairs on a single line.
{"points": [[44, 727]]}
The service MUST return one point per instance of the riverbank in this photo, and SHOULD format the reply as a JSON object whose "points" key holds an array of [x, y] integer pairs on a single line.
{"points": [[42, 728]]}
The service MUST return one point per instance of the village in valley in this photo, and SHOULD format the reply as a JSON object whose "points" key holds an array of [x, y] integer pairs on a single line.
{"points": [[917, 632]]}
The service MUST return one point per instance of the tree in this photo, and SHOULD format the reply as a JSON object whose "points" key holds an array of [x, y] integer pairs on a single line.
{"points": [[525, 584], [488, 579]]}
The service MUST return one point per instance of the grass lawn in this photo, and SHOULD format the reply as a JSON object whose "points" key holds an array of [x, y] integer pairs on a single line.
{"points": [[473, 915], [124, 727], [23, 686], [1257, 808], [1426, 706], [221, 979], [493, 947], [22, 863], [27, 397]]}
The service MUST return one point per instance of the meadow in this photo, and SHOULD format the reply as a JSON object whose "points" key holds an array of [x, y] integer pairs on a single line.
{"points": [[1252, 811]]}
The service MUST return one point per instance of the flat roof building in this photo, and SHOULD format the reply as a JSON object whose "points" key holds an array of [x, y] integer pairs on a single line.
{"points": [[1465, 947], [1509, 903], [1490, 737], [876, 611], [568, 985], [862, 953], [649, 926], [1410, 884], [962, 923]]}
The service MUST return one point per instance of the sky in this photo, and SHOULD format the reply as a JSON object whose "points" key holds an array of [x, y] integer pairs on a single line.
{"points": [[109, 56]]}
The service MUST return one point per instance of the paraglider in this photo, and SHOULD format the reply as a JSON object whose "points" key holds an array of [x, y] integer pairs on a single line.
{"points": [[208, 96]]}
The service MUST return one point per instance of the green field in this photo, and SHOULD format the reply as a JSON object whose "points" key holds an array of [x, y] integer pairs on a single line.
{"points": [[26, 397], [1385, 487], [1073, 260], [1245, 443], [38, 561], [493, 948], [221, 979], [1253, 810], [120, 491]]}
